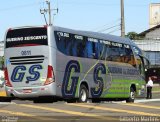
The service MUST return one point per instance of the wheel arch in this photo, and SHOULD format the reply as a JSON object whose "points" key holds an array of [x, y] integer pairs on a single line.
{"points": [[85, 84], [134, 87], [132, 91]]}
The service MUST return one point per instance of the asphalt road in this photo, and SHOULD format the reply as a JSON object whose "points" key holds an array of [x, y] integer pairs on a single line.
{"points": [[143, 110], [140, 111]]}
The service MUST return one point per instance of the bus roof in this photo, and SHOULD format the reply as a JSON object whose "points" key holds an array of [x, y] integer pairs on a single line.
{"points": [[97, 35]]}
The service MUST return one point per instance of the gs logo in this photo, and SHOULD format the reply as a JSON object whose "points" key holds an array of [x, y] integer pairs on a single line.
{"points": [[20, 71], [69, 79]]}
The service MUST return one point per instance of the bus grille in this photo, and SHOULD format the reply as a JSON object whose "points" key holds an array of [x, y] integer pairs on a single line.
{"points": [[27, 60]]}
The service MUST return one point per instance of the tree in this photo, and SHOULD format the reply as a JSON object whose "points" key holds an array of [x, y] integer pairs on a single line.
{"points": [[1, 63], [133, 36]]}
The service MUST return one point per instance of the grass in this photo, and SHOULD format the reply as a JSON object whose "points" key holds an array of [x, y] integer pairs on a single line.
{"points": [[156, 88]]}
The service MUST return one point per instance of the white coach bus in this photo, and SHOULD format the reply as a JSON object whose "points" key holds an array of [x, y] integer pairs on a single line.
{"points": [[45, 63]]}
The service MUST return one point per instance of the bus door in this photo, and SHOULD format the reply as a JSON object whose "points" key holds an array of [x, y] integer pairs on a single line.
{"points": [[140, 65], [142, 62]]}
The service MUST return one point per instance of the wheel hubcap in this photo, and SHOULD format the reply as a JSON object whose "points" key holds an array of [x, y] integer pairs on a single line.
{"points": [[132, 95], [83, 95]]}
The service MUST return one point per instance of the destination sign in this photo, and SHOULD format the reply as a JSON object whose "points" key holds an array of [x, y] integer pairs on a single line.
{"points": [[27, 37], [42, 37]]}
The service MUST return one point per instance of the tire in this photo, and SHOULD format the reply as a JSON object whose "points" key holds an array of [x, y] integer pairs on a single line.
{"points": [[96, 100], [5, 99], [71, 101], [38, 101], [83, 94], [132, 96], [44, 100]]}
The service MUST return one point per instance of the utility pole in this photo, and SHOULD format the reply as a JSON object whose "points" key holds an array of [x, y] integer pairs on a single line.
{"points": [[43, 11], [49, 12], [122, 19]]}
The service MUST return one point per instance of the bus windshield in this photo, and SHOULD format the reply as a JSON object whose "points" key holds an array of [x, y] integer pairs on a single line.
{"points": [[26, 37]]}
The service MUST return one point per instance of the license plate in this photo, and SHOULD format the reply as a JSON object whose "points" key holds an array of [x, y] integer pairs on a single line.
{"points": [[27, 90]]}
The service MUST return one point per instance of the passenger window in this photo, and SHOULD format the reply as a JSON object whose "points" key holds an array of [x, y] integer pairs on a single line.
{"points": [[63, 41], [118, 52], [89, 50], [68, 46], [79, 45], [95, 50], [87, 47], [113, 53], [102, 51]]}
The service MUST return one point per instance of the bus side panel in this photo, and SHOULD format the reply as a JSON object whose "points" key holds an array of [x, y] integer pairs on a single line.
{"points": [[71, 71], [116, 83]]}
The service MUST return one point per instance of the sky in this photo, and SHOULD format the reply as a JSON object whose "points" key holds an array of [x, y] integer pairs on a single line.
{"points": [[90, 15]]}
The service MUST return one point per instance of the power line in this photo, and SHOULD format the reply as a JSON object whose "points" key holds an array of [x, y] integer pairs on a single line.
{"points": [[101, 4], [107, 25], [20, 6], [114, 30], [109, 28], [87, 3]]}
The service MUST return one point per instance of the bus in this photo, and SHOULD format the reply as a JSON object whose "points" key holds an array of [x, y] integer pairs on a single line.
{"points": [[47, 63]]}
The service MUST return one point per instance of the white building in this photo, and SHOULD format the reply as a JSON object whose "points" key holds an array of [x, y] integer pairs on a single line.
{"points": [[151, 49], [151, 43], [154, 14]]}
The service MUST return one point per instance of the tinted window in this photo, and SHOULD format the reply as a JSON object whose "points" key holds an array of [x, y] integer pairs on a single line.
{"points": [[137, 51], [63, 42], [26, 37], [120, 53], [129, 56], [93, 49], [87, 47], [78, 46], [89, 51], [139, 59], [115, 51], [103, 47]]}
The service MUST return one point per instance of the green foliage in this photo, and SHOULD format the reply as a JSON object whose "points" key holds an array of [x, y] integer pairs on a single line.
{"points": [[133, 36], [1, 62]]}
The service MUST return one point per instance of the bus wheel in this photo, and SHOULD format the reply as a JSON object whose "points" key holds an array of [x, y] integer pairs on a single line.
{"points": [[132, 96], [83, 94]]}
